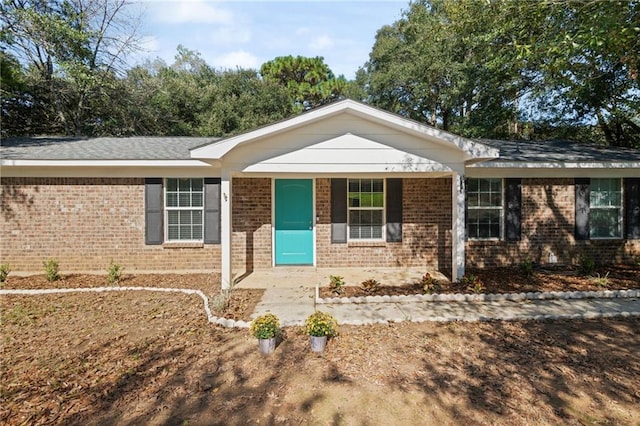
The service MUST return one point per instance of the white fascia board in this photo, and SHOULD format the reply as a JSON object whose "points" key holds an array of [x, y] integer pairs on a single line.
{"points": [[104, 163], [471, 148], [559, 165]]}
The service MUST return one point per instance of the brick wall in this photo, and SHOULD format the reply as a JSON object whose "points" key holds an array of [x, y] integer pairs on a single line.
{"points": [[548, 222], [251, 239], [426, 240], [84, 223]]}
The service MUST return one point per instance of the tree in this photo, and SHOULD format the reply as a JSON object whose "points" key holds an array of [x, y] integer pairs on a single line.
{"points": [[310, 81], [72, 50], [481, 68]]}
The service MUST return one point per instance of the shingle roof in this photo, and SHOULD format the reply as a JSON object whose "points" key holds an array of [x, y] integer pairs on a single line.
{"points": [[105, 148], [177, 148], [558, 151]]}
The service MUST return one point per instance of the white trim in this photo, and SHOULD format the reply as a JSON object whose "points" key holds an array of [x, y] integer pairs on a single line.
{"points": [[472, 149], [458, 192], [383, 238], [273, 218], [558, 165], [167, 209], [226, 231], [502, 215], [104, 163], [539, 173]]}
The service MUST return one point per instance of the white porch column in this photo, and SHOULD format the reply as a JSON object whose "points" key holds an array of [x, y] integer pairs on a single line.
{"points": [[457, 227], [226, 230]]}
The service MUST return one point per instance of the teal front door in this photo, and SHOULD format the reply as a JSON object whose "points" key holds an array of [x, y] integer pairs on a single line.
{"points": [[294, 222]]}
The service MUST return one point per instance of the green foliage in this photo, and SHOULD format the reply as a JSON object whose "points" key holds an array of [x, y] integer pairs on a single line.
{"points": [[4, 272], [526, 268], [309, 81], [601, 281], [429, 284], [114, 273], [220, 302], [265, 326], [321, 324], [473, 283], [52, 270], [487, 68], [370, 286], [336, 284], [586, 266]]}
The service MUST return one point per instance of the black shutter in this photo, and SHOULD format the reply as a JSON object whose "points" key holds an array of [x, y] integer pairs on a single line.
{"points": [[339, 210], [583, 193], [513, 195], [212, 210], [153, 211], [632, 207], [394, 210]]}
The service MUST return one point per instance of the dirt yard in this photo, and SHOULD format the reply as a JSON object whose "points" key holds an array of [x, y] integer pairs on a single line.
{"points": [[152, 358]]}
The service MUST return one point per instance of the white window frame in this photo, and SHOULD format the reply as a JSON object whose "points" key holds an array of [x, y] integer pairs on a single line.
{"points": [[382, 209], [610, 207], [168, 209], [499, 208]]}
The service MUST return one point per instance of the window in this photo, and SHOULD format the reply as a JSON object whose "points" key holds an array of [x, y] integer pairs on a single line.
{"points": [[366, 209], [184, 200], [605, 204], [484, 208]]}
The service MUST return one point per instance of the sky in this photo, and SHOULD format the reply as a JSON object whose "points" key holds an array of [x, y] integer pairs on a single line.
{"points": [[240, 33]]}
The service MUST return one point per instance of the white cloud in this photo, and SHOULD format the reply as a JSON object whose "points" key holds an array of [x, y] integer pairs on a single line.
{"points": [[239, 58], [231, 35], [302, 31], [149, 44], [194, 11], [321, 43]]}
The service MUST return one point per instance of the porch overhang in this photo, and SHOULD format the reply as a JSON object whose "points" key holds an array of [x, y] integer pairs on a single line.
{"points": [[346, 139]]}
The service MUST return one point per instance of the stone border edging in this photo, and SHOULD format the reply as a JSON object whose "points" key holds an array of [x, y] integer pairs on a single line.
{"points": [[511, 317], [491, 297], [229, 323], [225, 322]]}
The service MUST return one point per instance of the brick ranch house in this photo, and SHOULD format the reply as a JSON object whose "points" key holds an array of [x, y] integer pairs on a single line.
{"points": [[345, 185]]}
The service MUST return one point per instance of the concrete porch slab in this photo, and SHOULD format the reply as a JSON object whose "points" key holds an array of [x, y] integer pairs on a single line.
{"points": [[308, 276]]}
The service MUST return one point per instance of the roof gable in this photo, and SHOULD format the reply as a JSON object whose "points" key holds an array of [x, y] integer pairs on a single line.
{"points": [[348, 110]]}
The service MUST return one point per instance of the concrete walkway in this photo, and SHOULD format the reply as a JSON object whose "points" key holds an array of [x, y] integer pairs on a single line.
{"points": [[293, 305]]}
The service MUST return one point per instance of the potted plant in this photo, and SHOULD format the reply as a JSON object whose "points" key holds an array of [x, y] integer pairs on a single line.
{"points": [[266, 329], [320, 326]]}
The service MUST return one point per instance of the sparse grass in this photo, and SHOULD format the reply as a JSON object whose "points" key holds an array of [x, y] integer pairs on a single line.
{"points": [[4, 272], [601, 281], [220, 302], [52, 270], [114, 273]]}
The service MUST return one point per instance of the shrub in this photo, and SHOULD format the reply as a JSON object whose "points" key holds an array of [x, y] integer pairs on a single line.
{"points": [[114, 273], [4, 272], [336, 284], [220, 301], [429, 284], [370, 286], [473, 283], [321, 324], [265, 326], [526, 268], [587, 266], [52, 270], [601, 281]]}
